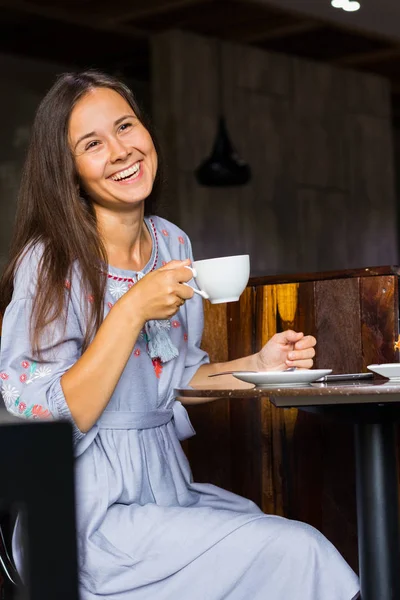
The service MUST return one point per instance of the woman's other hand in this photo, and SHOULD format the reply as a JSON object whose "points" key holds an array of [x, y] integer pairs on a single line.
{"points": [[287, 349]]}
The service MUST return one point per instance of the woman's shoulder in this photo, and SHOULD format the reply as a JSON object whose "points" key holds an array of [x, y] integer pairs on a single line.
{"points": [[169, 229], [29, 267], [26, 273]]}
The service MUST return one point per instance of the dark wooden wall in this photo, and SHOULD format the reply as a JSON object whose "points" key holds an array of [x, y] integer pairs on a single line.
{"points": [[319, 143], [293, 463]]}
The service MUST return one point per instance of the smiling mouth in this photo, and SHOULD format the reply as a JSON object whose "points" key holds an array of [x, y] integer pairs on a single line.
{"points": [[127, 174]]}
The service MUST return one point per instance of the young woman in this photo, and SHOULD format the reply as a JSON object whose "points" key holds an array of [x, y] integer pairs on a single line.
{"points": [[99, 329]]}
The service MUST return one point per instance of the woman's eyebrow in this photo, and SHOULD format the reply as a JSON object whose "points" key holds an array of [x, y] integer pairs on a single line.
{"points": [[93, 133], [118, 121], [83, 137]]}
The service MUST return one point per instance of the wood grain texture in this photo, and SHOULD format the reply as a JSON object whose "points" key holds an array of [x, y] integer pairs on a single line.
{"points": [[241, 323], [338, 325], [324, 275], [379, 319], [283, 471], [215, 335], [365, 136], [246, 448], [246, 434], [271, 478], [322, 189], [209, 451], [211, 461], [304, 468], [338, 501], [278, 426]]}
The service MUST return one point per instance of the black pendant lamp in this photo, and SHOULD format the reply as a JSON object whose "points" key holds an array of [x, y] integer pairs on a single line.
{"points": [[223, 167]]}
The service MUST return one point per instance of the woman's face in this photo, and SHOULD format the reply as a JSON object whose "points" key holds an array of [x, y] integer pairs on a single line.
{"points": [[114, 153]]}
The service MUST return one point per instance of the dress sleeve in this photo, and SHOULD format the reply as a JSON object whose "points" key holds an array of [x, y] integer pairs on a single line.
{"points": [[195, 356], [32, 388]]}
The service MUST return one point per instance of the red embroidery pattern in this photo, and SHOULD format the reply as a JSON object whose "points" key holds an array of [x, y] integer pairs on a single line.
{"points": [[185, 337], [137, 352], [175, 324], [165, 232], [181, 240], [157, 364], [4, 376], [23, 378], [25, 364], [38, 411], [110, 305]]}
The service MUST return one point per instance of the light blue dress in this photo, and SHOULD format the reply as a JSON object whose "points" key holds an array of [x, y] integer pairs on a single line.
{"points": [[145, 529]]}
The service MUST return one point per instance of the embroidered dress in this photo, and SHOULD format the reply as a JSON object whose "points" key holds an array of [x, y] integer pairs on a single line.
{"points": [[145, 529]]}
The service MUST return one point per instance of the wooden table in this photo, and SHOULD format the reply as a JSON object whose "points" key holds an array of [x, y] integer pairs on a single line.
{"points": [[374, 409]]}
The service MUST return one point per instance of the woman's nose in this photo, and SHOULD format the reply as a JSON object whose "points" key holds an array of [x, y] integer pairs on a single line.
{"points": [[118, 151]]}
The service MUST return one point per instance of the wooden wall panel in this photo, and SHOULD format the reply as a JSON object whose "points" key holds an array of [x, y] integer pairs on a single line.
{"points": [[215, 335], [246, 448], [369, 144], [307, 470], [304, 468], [209, 451], [290, 458], [246, 434], [211, 461], [271, 484], [241, 324], [339, 521], [322, 189], [338, 325], [379, 319]]}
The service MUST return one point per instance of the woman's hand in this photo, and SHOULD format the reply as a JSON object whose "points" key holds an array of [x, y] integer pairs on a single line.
{"points": [[287, 349], [161, 293]]}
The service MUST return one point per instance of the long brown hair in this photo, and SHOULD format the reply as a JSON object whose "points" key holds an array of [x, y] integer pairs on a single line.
{"points": [[53, 210]]}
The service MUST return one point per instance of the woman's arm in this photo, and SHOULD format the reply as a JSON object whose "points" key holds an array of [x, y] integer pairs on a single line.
{"points": [[284, 350], [89, 384], [65, 383]]}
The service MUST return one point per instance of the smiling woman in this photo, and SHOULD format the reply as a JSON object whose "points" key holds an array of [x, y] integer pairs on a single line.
{"points": [[88, 296], [117, 160]]}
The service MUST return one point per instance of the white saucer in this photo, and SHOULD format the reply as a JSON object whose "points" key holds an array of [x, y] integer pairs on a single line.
{"points": [[265, 379], [389, 370]]}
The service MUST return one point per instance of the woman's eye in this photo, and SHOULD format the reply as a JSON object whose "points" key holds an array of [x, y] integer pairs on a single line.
{"points": [[92, 145], [125, 126]]}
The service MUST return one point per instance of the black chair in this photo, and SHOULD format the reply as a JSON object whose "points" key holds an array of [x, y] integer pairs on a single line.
{"points": [[37, 478], [10, 581]]}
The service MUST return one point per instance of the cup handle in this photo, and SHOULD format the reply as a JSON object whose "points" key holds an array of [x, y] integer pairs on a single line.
{"points": [[199, 292], [194, 272]]}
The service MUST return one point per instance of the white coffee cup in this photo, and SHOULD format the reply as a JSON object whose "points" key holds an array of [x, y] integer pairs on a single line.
{"points": [[221, 279]]}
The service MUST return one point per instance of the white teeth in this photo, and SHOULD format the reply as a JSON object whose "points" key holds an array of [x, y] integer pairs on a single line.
{"points": [[127, 173]]}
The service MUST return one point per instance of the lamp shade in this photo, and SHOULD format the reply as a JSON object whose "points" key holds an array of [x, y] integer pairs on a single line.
{"points": [[223, 167]]}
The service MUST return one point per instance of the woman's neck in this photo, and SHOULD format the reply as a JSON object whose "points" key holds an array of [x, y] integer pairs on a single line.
{"points": [[126, 238]]}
